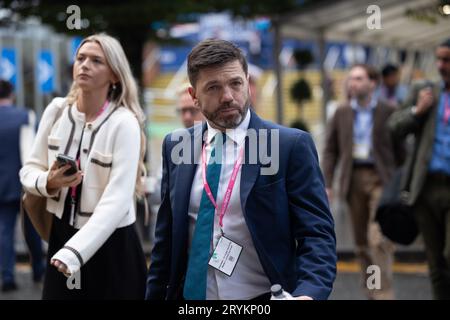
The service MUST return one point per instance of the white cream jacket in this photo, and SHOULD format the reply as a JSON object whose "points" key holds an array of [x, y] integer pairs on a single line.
{"points": [[109, 155]]}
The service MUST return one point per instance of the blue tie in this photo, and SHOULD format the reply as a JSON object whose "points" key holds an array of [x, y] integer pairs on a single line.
{"points": [[195, 283]]}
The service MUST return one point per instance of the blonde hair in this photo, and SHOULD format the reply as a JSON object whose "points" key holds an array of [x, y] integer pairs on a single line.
{"points": [[125, 93]]}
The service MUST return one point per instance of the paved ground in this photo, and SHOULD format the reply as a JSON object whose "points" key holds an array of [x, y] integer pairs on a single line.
{"points": [[410, 279], [410, 283]]}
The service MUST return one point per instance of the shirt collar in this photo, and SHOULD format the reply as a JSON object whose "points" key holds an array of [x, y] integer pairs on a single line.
{"points": [[237, 134], [355, 106]]}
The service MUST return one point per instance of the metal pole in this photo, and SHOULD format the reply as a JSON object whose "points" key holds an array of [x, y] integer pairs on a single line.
{"points": [[38, 105], [323, 74], [278, 68], [55, 45], [20, 92]]}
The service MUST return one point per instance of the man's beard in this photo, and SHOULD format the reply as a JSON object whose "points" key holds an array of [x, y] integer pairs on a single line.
{"points": [[229, 122]]}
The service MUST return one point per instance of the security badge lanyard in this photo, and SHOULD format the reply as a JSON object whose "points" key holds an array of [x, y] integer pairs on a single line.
{"points": [[226, 253], [446, 110]]}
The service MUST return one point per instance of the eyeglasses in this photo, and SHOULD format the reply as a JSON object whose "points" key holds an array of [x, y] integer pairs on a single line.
{"points": [[192, 110]]}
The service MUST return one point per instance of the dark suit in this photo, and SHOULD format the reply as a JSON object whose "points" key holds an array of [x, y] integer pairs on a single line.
{"points": [[428, 192], [403, 122], [12, 119], [287, 214]]}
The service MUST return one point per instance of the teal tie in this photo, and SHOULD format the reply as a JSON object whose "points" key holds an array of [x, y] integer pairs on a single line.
{"points": [[197, 270]]}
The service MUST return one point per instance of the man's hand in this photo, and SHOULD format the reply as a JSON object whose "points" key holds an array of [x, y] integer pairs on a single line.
{"points": [[57, 180], [424, 101], [303, 298]]}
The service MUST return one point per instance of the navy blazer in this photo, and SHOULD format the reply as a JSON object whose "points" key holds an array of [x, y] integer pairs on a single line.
{"points": [[11, 121], [287, 214]]}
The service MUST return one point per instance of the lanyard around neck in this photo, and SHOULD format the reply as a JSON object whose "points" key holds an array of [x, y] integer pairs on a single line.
{"points": [[227, 197]]}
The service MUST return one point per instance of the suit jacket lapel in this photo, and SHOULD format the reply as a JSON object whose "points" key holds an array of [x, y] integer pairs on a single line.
{"points": [[249, 172], [185, 176]]}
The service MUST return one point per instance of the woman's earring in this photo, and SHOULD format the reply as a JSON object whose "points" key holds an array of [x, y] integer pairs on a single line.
{"points": [[114, 87]]}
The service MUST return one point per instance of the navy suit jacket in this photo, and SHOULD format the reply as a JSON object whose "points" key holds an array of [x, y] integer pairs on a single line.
{"points": [[287, 214], [11, 121]]}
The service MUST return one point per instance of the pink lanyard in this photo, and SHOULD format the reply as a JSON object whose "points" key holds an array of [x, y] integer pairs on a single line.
{"points": [[227, 197], [73, 190], [446, 109]]}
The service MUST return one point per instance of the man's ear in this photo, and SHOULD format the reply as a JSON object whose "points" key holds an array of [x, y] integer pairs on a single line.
{"points": [[191, 91], [193, 95]]}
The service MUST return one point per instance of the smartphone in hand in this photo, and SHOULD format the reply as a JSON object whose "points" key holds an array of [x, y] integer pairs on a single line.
{"points": [[63, 160]]}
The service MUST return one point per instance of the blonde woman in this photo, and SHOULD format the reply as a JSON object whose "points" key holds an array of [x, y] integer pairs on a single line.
{"points": [[100, 124]]}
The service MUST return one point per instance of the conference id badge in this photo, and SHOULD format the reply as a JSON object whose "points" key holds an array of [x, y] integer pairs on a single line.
{"points": [[225, 256], [361, 151]]}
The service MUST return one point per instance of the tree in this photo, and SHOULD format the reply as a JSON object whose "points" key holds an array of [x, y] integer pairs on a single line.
{"points": [[301, 90], [130, 21]]}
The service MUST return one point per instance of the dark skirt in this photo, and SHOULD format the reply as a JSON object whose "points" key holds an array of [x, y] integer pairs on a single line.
{"points": [[116, 271]]}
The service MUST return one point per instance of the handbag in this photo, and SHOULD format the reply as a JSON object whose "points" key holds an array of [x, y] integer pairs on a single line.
{"points": [[36, 207], [394, 215]]}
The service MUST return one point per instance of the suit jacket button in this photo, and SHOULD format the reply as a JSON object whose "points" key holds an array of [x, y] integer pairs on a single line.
{"points": [[85, 150]]}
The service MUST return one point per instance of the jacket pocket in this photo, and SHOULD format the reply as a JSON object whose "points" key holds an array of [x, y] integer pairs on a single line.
{"points": [[54, 146], [268, 186], [99, 169]]}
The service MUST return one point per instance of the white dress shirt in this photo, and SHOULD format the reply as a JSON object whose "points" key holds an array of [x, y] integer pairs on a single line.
{"points": [[248, 279]]}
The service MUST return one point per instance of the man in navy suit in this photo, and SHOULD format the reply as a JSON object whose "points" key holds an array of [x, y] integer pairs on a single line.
{"points": [[243, 200], [17, 128]]}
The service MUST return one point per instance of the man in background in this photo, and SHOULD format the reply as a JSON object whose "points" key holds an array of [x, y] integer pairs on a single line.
{"points": [[189, 113], [358, 141], [17, 128], [426, 115], [390, 89]]}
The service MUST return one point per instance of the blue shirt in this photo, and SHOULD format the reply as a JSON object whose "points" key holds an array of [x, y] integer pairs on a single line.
{"points": [[362, 131], [440, 158], [396, 97]]}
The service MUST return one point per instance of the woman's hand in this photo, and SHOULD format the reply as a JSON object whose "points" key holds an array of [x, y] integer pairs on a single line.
{"points": [[57, 180], [61, 267]]}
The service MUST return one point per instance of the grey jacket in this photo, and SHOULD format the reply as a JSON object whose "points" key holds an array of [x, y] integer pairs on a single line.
{"points": [[402, 123]]}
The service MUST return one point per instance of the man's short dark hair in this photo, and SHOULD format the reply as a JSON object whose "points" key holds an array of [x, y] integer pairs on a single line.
{"points": [[389, 69], [445, 43], [213, 53], [372, 73], [6, 89]]}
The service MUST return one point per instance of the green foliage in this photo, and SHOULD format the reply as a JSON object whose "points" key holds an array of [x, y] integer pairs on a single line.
{"points": [[301, 91], [303, 58]]}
